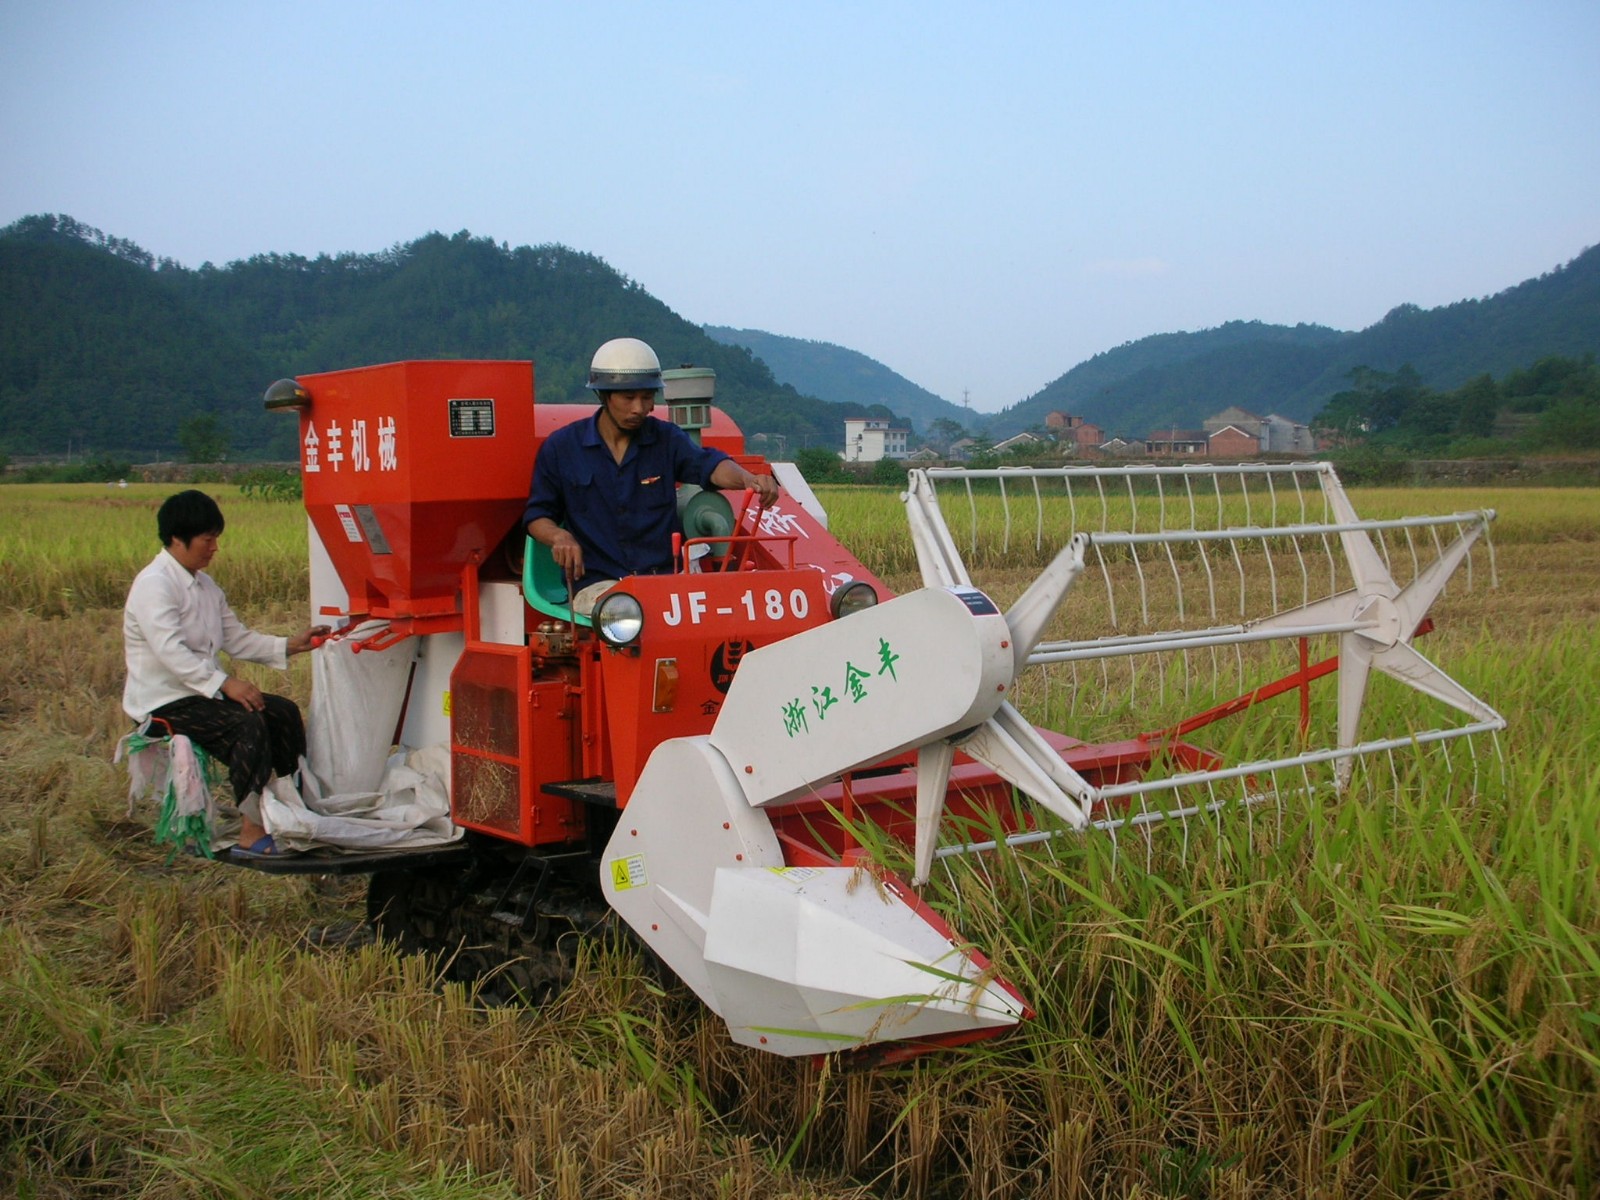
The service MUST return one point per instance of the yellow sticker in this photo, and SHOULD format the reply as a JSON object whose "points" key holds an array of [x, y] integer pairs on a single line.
{"points": [[444, 703], [628, 873], [799, 873]]}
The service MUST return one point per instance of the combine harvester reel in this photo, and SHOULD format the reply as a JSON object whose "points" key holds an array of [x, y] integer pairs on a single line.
{"points": [[1207, 574], [1192, 583]]}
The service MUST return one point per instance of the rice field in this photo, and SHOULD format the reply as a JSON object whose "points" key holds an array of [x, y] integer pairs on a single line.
{"points": [[1391, 993]]}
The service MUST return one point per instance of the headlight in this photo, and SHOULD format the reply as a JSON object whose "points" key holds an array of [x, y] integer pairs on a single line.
{"points": [[619, 618], [852, 598]]}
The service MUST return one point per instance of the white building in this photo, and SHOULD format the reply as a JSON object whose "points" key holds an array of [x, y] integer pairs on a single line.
{"points": [[867, 439]]}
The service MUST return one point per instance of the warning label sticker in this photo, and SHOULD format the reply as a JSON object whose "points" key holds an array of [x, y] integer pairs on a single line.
{"points": [[628, 873], [348, 519], [799, 874]]}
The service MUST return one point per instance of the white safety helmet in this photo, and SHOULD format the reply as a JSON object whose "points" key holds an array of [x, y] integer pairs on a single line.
{"points": [[625, 365]]}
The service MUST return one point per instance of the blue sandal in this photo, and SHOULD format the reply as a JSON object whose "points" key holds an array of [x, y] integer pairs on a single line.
{"points": [[262, 847]]}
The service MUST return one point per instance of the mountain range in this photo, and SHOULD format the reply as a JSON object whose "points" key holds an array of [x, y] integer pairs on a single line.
{"points": [[823, 369], [1178, 379], [104, 346]]}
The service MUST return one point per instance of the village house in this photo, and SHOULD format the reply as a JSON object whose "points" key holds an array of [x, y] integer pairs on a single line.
{"points": [[961, 448], [1280, 435], [1235, 433], [868, 439], [1017, 441], [1178, 443], [1241, 419], [1232, 442], [1075, 435]]}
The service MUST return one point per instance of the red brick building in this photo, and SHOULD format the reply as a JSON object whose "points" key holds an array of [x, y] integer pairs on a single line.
{"points": [[1232, 442], [1074, 433]]}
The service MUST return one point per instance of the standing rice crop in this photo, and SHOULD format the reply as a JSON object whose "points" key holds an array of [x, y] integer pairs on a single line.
{"points": [[1391, 993]]}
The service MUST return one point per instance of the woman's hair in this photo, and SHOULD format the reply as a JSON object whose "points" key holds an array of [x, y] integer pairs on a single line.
{"points": [[186, 516]]}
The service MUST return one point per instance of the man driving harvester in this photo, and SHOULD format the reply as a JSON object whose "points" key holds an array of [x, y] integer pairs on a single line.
{"points": [[604, 493]]}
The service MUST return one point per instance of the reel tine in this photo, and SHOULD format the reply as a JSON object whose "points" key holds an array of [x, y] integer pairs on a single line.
{"points": [[1183, 819], [1143, 828], [1038, 518], [1005, 509], [953, 890], [1500, 754]]}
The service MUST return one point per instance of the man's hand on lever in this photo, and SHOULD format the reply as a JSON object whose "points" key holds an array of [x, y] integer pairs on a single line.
{"points": [[730, 475]]}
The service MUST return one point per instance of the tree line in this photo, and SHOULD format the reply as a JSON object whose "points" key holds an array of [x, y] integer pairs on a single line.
{"points": [[1554, 404], [108, 349]]}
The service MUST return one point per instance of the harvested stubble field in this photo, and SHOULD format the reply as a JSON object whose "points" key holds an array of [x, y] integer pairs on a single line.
{"points": [[1397, 994]]}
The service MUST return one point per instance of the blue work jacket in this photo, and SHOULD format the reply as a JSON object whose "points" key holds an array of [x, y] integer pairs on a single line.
{"points": [[623, 514]]}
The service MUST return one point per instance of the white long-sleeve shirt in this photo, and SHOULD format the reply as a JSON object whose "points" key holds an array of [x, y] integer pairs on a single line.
{"points": [[173, 627]]}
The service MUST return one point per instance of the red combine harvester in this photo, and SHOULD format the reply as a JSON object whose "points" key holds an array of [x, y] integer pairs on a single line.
{"points": [[701, 756]]}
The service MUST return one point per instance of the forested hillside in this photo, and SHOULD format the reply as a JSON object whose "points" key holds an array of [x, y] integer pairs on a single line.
{"points": [[838, 374], [106, 346], [1555, 315], [1179, 379], [96, 354]]}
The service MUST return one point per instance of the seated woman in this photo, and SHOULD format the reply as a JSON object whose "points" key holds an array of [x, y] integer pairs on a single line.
{"points": [[174, 625]]}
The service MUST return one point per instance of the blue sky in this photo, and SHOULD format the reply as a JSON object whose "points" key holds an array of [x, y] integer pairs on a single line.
{"points": [[979, 196]]}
